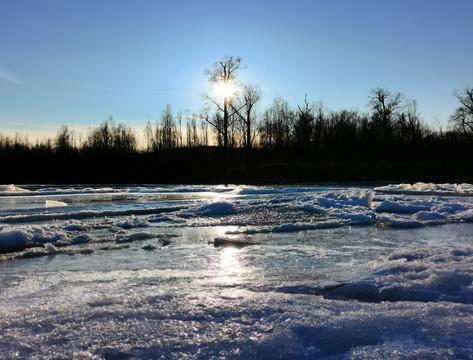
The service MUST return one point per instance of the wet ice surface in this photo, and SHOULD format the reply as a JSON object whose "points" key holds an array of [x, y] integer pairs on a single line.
{"points": [[331, 272]]}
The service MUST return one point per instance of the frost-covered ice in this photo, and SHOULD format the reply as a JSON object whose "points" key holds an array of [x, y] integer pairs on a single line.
{"points": [[210, 272], [428, 188]]}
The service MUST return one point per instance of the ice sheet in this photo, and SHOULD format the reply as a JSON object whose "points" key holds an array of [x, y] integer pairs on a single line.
{"points": [[306, 272]]}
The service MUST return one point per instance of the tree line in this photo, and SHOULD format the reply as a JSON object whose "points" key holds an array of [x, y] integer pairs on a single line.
{"points": [[228, 131]]}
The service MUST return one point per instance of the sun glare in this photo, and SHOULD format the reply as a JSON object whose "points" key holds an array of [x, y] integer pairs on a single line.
{"points": [[224, 90]]}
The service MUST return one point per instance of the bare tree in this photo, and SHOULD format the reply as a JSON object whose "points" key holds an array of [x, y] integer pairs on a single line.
{"points": [[462, 118], [283, 121], [169, 138], [124, 138], [102, 137], [179, 120], [384, 105], [319, 124], [223, 75], [109, 136], [266, 131], [191, 131], [216, 122], [415, 128], [149, 135], [250, 96], [304, 125], [204, 126], [64, 142]]}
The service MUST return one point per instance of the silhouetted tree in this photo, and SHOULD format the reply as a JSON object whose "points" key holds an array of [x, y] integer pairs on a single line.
{"points": [[319, 126], [304, 126], [224, 73], [150, 137], [276, 128], [216, 121], [192, 132], [341, 134], [124, 139], [384, 105], [179, 120], [110, 137], [266, 131], [283, 118], [410, 128], [462, 118], [204, 130], [249, 97], [64, 142], [169, 137], [101, 138]]}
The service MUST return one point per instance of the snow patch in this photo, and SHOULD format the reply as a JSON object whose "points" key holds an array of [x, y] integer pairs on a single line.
{"points": [[217, 208], [12, 189], [132, 222], [54, 203], [428, 188], [425, 275]]}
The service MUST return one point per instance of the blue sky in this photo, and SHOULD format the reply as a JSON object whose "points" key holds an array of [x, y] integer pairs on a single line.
{"points": [[76, 62]]}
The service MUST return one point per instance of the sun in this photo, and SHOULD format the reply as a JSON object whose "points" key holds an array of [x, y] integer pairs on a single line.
{"points": [[224, 90]]}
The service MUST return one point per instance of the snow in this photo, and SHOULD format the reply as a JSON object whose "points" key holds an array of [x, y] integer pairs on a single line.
{"points": [[217, 208], [54, 203], [132, 222], [428, 188], [425, 275], [12, 189], [402, 206], [14, 239]]}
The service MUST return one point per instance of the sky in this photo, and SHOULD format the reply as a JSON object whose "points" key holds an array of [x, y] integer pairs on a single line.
{"points": [[77, 62]]}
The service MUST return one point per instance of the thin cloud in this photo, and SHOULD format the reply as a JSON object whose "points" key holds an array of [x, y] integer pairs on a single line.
{"points": [[118, 89], [8, 76]]}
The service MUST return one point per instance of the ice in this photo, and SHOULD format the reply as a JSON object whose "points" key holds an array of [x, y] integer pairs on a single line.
{"points": [[133, 236], [304, 227], [402, 206], [431, 217], [306, 272], [466, 215], [217, 208], [132, 222], [12, 189], [339, 200], [76, 225], [233, 242], [425, 275], [428, 188], [54, 203], [50, 248], [398, 221], [279, 190], [14, 239], [82, 239]]}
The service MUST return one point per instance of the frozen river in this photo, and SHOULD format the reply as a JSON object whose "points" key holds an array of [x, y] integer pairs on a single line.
{"points": [[236, 272]]}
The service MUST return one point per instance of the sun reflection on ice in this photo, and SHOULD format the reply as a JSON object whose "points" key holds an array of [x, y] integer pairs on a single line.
{"points": [[231, 267], [229, 260]]}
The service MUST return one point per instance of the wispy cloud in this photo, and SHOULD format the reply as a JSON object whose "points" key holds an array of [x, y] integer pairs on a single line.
{"points": [[8, 76], [119, 89]]}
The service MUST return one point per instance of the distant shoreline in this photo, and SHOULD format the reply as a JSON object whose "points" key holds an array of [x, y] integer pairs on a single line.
{"points": [[147, 170]]}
